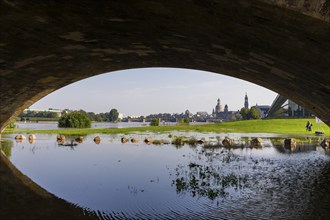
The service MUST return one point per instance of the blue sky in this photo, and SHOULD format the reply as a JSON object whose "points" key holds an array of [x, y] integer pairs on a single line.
{"points": [[156, 90]]}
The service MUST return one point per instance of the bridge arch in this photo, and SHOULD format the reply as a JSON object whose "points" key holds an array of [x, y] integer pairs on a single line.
{"points": [[45, 46]]}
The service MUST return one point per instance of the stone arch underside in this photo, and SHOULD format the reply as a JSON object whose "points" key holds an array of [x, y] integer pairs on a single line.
{"points": [[47, 45]]}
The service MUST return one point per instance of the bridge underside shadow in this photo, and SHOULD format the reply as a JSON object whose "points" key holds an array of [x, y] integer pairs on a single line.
{"points": [[45, 46]]}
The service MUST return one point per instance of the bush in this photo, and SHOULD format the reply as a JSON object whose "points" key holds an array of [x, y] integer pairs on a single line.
{"points": [[154, 122], [74, 120]]}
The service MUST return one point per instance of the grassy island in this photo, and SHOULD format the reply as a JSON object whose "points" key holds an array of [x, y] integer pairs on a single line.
{"points": [[279, 126]]}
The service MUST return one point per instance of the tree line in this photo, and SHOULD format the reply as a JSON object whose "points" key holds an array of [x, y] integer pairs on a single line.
{"points": [[82, 119], [34, 114], [111, 116]]}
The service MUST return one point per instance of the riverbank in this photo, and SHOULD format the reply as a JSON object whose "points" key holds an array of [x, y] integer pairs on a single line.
{"points": [[277, 126]]}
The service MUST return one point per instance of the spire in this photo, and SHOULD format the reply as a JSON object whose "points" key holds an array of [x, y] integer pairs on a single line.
{"points": [[246, 101]]}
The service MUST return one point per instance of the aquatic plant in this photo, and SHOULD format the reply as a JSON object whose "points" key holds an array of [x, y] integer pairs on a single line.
{"points": [[178, 141], [192, 141], [157, 142], [207, 180]]}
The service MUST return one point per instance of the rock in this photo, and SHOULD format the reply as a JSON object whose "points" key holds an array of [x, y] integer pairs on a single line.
{"points": [[256, 142], [79, 139], [60, 137], [32, 137], [97, 140], [20, 137], [135, 140], [124, 140], [148, 140], [290, 143], [325, 143], [227, 142]]}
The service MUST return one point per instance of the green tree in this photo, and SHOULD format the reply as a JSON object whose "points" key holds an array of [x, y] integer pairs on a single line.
{"points": [[154, 122], [186, 120], [74, 120], [254, 113], [245, 113], [113, 115]]}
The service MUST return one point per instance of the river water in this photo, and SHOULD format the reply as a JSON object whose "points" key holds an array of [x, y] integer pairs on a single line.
{"points": [[204, 181]]}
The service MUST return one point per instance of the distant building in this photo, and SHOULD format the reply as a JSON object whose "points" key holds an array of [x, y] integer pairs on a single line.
{"points": [[202, 114], [246, 101], [218, 107], [120, 116], [188, 114], [284, 107], [220, 114], [226, 109], [295, 110]]}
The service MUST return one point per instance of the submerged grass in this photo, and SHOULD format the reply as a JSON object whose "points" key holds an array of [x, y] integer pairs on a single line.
{"points": [[280, 126]]}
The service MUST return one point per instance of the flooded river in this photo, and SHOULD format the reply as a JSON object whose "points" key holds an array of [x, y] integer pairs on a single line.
{"points": [[166, 181]]}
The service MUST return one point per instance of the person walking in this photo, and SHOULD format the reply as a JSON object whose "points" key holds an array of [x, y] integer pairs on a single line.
{"points": [[308, 125]]}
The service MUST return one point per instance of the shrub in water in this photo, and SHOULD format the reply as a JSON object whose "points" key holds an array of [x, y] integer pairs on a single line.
{"points": [[154, 122], [74, 120]]}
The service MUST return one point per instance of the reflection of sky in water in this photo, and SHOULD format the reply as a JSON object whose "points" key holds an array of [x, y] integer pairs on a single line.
{"points": [[137, 179]]}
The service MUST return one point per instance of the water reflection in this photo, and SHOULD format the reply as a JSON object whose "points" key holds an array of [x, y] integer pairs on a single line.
{"points": [[199, 178]]}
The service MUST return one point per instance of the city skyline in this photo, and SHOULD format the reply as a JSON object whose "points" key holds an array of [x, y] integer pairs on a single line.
{"points": [[156, 90]]}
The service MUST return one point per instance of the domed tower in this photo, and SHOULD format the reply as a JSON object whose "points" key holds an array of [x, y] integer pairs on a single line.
{"points": [[218, 107], [226, 108], [246, 102]]}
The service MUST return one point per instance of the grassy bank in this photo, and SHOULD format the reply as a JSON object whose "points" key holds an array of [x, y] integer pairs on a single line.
{"points": [[280, 126]]}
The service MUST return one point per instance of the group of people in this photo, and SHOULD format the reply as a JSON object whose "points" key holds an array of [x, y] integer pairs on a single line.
{"points": [[309, 126]]}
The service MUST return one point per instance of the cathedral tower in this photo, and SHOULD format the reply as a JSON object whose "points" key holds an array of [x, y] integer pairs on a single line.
{"points": [[246, 102]]}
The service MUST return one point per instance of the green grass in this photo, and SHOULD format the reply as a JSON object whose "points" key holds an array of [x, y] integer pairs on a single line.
{"points": [[280, 126]]}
